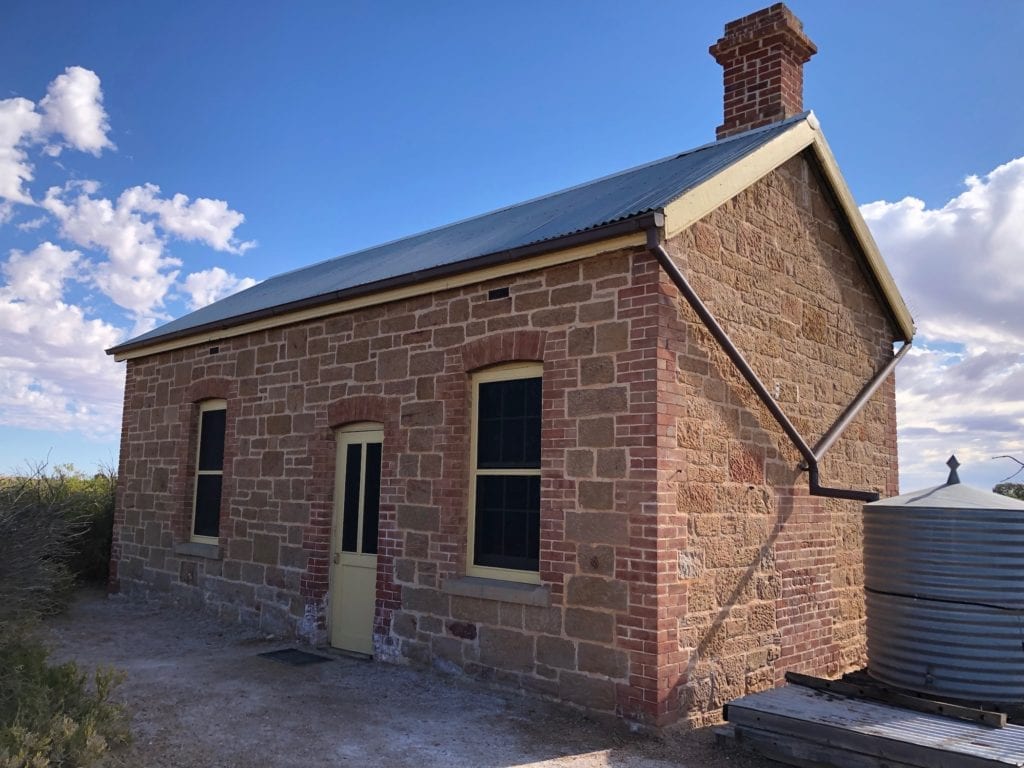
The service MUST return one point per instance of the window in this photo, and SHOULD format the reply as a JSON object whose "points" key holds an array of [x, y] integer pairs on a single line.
{"points": [[209, 470], [504, 527]]}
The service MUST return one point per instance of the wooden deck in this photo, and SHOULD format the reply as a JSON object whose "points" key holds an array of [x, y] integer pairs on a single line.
{"points": [[805, 727]]}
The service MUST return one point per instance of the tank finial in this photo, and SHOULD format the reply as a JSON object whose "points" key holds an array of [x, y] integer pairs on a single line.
{"points": [[953, 464]]}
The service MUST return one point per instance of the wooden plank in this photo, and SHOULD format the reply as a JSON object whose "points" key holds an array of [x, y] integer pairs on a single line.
{"points": [[882, 693], [838, 739], [879, 730], [793, 750]]}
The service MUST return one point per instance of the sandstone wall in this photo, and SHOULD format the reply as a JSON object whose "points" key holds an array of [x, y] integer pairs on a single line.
{"points": [[770, 578], [588, 638]]}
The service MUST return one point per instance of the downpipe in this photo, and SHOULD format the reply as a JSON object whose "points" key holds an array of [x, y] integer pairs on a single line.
{"points": [[811, 456]]}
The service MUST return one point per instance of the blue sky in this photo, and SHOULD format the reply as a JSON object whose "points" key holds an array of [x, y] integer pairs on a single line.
{"points": [[303, 131]]}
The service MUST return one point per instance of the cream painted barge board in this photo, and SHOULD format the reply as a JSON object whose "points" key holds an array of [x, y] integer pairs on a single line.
{"points": [[879, 730]]}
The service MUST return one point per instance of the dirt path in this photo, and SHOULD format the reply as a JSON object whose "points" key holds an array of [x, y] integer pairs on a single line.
{"points": [[200, 696]]}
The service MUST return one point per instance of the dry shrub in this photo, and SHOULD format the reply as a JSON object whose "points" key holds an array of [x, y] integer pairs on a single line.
{"points": [[50, 715]]}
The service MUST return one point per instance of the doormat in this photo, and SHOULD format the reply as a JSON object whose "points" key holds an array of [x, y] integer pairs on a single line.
{"points": [[294, 656]]}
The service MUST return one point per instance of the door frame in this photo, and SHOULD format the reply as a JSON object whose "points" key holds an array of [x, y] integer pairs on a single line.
{"points": [[355, 433]]}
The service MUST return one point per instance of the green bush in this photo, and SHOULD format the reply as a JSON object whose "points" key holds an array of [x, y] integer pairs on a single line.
{"points": [[53, 716], [1013, 490]]}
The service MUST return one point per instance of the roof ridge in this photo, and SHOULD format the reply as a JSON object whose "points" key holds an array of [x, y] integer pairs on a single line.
{"points": [[441, 227]]}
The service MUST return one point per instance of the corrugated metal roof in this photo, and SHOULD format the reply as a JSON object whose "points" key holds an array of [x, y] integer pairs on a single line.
{"points": [[597, 203], [956, 496]]}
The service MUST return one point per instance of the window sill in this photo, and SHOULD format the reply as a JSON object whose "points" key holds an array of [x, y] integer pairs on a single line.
{"points": [[493, 589], [197, 549]]}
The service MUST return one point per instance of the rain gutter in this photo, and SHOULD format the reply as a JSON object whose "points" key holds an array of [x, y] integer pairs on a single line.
{"points": [[627, 226], [811, 456]]}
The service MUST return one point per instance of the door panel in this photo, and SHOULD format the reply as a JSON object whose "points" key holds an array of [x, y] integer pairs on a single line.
{"points": [[354, 540]]}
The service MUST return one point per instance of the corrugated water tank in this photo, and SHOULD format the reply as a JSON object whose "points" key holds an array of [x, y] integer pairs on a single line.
{"points": [[944, 576]]}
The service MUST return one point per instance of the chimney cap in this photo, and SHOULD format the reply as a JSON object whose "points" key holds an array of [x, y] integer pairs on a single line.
{"points": [[774, 25], [762, 55]]}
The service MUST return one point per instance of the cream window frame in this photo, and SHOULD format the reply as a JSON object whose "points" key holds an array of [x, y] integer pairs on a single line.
{"points": [[204, 406], [505, 372]]}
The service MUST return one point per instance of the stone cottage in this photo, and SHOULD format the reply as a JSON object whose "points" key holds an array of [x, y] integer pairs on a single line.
{"points": [[557, 446]]}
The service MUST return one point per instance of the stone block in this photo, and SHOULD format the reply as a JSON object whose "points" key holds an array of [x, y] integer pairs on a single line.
{"points": [[596, 433], [393, 364], [598, 592], [597, 527], [602, 660], [589, 625], [422, 414], [611, 462], [612, 337], [475, 610], [272, 464], [462, 629], [595, 494], [424, 600], [503, 649], [590, 692], [556, 652], [265, 548], [579, 463], [418, 517], [597, 370], [581, 342], [405, 570], [546, 620], [417, 544], [596, 559], [597, 402]]}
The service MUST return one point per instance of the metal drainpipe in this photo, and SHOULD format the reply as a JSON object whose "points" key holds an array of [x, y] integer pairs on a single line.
{"points": [[811, 456]]}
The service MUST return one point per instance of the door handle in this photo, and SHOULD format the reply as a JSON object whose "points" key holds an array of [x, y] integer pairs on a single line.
{"points": [[337, 558]]}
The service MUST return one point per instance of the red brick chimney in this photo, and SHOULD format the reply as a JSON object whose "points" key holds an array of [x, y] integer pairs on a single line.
{"points": [[762, 56]]}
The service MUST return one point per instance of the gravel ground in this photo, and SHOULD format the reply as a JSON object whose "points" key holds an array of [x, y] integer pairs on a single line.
{"points": [[199, 695]]}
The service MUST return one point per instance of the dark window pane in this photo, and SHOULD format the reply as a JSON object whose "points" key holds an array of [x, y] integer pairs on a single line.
{"points": [[211, 440], [350, 501], [207, 521], [371, 498], [507, 531], [508, 424]]}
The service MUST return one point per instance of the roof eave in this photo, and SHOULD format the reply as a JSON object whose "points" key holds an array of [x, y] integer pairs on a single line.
{"points": [[639, 223]]}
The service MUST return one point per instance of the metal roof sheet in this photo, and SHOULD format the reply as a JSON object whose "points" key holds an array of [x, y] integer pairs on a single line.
{"points": [[584, 207], [955, 496]]}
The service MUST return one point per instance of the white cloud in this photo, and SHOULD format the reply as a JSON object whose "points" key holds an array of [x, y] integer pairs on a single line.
{"points": [[53, 370], [70, 115], [32, 224], [961, 268], [136, 274], [133, 232], [73, 109], [211, 285], [39, 276], [54, 373], [207, 221], [19, 122]]}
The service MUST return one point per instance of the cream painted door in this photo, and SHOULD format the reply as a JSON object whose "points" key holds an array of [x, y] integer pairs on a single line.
{"points": [[354, 539]]}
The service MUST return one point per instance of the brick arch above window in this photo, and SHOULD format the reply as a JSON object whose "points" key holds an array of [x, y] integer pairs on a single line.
{"points": [[209, 389], [358, 408], [507, 347]]}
